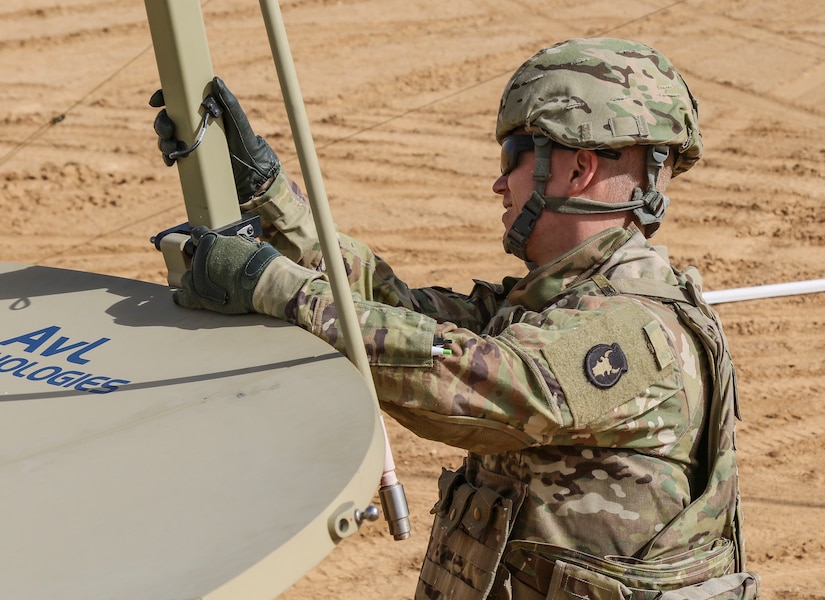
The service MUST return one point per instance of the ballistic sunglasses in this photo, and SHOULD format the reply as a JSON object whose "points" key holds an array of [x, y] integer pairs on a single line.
{"points": [[514, 145]]}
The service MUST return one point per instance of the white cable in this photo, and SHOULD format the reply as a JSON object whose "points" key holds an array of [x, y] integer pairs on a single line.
{"points": [[765, 291]]}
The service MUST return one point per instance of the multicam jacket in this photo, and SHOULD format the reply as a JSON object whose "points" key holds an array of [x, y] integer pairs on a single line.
{"points": [[582, 406]]}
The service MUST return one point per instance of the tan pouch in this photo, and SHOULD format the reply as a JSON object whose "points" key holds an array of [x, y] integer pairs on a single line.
{"points": [[469, 533]]}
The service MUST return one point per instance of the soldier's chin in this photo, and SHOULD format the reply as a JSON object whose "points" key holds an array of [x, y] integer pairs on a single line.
{"points": [[506, 232]]}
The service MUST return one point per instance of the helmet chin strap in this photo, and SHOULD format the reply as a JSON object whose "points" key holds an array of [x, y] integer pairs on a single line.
{"points": [[648, 206], [515, 242]]}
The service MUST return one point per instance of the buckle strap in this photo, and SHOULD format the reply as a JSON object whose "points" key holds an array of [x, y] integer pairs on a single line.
{"points": [[650, 288]]}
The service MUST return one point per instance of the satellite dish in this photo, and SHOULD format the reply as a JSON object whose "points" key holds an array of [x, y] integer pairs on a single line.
{"points": [[147, 451]]}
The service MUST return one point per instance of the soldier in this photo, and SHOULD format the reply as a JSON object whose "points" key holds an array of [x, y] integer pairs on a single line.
{"points": [[595, 396]]}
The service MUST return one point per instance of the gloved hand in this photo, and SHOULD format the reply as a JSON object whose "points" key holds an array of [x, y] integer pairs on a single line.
{"points": [[253, 161], [165, 130], [225, 271]]}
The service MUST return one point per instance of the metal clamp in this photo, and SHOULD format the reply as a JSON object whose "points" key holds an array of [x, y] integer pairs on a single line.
{"points": [[213, 109]]}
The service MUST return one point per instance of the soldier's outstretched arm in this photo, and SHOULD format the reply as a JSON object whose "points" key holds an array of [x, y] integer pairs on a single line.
{"points": [[264, 188], [502, 392]]}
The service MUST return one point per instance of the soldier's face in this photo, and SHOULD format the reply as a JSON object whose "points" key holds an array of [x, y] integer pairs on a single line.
{"points": [[516, 185]]}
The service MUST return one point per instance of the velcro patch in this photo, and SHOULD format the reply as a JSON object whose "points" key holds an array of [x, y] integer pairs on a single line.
{"points": [[628, 126], [606, 362]]}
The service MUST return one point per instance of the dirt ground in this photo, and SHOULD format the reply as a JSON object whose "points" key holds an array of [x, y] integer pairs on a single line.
{"points": [[402, 98]]}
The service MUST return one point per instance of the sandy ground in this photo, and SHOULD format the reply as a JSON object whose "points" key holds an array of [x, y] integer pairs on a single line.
{"points": [[402, 96]]}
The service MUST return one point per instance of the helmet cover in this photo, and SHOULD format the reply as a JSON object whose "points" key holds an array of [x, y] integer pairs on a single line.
{"points": [[603, 93]]}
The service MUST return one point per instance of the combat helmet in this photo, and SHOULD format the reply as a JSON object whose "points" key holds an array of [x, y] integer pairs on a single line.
{"points": [[600, 94]]}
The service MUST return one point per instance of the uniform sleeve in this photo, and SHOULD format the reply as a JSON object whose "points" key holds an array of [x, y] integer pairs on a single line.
{"points": [[287, 221], [372, 279], [479, 397], [527, 386], [288, 225], [493, 393]]}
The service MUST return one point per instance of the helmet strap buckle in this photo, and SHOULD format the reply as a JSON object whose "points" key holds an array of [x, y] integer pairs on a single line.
{"points": [[653, 202], [516, 241]]}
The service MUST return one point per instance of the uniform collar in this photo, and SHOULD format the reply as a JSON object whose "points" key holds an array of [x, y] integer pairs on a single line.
{"points": [[538, 288]]}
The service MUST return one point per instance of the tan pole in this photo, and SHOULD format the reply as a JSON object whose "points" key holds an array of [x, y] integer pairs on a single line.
{"points": [[392, 496], [179, 37]]}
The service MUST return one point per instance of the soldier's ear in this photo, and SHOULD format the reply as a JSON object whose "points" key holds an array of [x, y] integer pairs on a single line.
{"points": [[581, 171]]}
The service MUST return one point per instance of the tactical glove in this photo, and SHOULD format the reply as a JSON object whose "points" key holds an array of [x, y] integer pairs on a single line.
{"points": [[225, 271], [165, 130], [253, 161]]}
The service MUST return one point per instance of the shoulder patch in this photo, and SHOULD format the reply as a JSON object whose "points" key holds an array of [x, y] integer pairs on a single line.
{"points": [[604, 365], [606, 362]]}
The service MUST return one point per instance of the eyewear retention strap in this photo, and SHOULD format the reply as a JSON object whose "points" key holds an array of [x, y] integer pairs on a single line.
{"points": [[514, 145]]}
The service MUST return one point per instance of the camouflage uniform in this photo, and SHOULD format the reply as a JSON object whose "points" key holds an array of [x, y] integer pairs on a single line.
{"points": [[595, 396], [598, 460]]}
